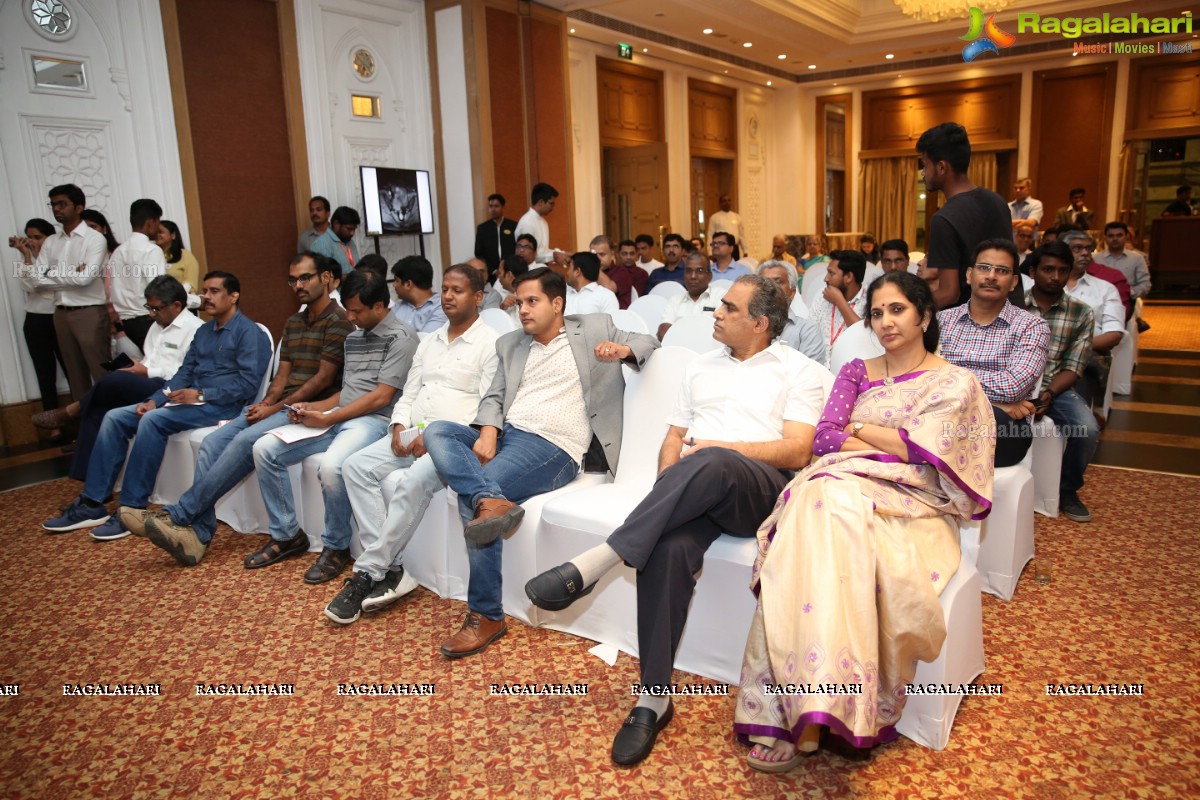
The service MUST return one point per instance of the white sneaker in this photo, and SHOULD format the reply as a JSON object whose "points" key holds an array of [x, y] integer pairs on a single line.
{"points": [[395, 584]]}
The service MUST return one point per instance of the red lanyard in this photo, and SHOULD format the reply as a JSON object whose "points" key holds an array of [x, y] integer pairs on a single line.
{"points": [[349, 253], [832, 334]]}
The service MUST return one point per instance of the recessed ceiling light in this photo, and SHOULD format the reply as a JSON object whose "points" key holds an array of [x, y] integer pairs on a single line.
{"points": [[645, 49], [707, 31], [835, 84], [726, 72], [768, 83], [782, 56], [812, 66], [747, 44], [890, 56], [572, 30]]}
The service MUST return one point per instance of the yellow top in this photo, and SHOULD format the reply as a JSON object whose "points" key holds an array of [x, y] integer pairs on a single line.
{"points": [[186, 270]]}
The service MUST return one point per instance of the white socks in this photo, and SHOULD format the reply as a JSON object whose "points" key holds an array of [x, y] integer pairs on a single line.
{"points": [[655, 703], [594, 563]]}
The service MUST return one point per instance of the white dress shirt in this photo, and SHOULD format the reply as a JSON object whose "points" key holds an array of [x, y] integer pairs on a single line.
{"points": [[536, 226], [682, 305], [72, 264], [650, 265], [132, 266], [729, 400], [730, 222], [1102, 296], [549, 401], [591, 299], [38, 300], [166, 347], [829, 318], [448, 379]]}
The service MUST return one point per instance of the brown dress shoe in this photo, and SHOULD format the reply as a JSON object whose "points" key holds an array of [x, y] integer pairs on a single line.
{"points": [[51, 420], [494, 517], [477, 633]]}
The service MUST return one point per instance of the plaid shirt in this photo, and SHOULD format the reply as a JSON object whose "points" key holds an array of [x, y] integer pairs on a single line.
{"points": [[1007, 355], [1071, 323]]}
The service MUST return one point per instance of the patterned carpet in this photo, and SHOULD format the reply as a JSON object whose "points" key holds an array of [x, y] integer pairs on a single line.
{"points": [[1172, 327], [1121, 607]]}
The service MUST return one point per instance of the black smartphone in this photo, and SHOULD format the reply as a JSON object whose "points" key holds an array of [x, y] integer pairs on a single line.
{"points": [[120, 362]]}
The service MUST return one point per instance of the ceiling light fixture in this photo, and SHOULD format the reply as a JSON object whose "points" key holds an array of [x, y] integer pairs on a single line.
{"points": [[707, 31], [812, 66], [768, 83], [645, 49], [890, 56], [747, 44], [782, 56], [572, 30], [938, 10]]}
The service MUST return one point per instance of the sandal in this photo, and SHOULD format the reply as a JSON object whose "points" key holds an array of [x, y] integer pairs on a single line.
{"points": [[275, 551], [328, 566]]}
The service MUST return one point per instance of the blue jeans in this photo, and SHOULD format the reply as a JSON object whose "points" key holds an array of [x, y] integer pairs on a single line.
{"points": [[1075, 420], [525, 465], [226, 456], [273, 456], [152, 430]]}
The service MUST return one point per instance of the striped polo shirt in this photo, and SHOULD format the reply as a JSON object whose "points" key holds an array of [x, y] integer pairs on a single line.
{"points": [[306, 343]]}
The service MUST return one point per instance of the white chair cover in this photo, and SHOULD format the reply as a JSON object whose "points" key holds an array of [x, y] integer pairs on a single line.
{"points": [[1006, 536], [1121, 376], [814, 282], [873, 271], [694, 332], [498, 320], [721, 285], [856, 341], [1047, 454], [650, 308], [666, 290], [627, 320]]}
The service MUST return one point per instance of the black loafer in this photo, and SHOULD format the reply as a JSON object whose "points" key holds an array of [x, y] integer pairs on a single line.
{"points": [[557, 587], [636, 738]]}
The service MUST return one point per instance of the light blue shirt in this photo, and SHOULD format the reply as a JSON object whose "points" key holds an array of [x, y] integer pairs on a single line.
{"points": [[328, 244], [736, 270], [423, 318]]}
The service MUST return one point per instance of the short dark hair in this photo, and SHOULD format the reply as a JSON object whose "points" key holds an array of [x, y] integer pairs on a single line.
{"points": [[551, 283], [542, 191], [71, 192], [92, 215], [515, 265], [177, 245], [895, 244], [528, 237], [947, 142], [167, 289], [626, 243], [917, 292], [142, 211], [1055, 249], [865, 238], [1182, 189], [345, 215], [675, 237], [644, 238], [729, 237], [416, 269], [474, 279], [375, 263], [588, 263], [851, 261], [367, 286], [497, 197], [767, 301], [318, 199], [1076, 190], [1116, 223], [40, 225], [1007, 245], [321, 262], [229, 281]]}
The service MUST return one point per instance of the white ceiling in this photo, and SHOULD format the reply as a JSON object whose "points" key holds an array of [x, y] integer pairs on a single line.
{"points": [[832, 35]]}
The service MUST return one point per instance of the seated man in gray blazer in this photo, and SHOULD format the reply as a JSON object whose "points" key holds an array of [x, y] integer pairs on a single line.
{"points": [[557, 396]]}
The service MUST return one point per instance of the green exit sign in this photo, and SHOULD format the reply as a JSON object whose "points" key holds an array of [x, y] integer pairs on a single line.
{"points": [[625, 51]]}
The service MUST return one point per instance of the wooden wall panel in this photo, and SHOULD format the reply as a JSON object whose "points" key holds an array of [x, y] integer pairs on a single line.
{"points": [[1071, 135], [894, 119], [239, 131], [1164, 97], [550, 123], [631, 104], [712, 120], [507, 139]]}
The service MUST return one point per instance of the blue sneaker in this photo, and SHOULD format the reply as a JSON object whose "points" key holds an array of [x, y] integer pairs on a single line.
{"points": [[76, 516], [111, 530]]}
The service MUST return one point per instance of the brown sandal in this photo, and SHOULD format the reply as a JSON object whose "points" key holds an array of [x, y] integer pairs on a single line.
{"points": [[274, 551], [328, 566]]}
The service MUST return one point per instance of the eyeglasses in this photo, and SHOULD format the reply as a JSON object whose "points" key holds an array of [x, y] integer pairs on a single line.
{"points": [[1081, 248], [697, 272], [305, 278], [153, 309], [987, 269], [524, 246], [60, 204]]}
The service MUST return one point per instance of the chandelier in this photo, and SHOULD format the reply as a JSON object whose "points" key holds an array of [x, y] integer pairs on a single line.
{"points": [[938, 10]]}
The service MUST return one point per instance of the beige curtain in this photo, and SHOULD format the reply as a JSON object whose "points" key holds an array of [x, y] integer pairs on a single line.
{"points": [[889, 197], [1126, 182], [982, 170]]}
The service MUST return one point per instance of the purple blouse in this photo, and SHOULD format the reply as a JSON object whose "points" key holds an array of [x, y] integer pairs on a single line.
{"points": [[850, 382]]}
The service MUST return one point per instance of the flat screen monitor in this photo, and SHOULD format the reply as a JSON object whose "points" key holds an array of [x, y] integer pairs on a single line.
{"points": [[397, 201]]}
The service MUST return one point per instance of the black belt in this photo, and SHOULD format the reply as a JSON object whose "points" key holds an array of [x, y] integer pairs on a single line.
{"points": [[76, 308]]}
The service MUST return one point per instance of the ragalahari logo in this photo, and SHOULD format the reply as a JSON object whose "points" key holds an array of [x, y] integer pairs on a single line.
{"points": [[984, 37]]}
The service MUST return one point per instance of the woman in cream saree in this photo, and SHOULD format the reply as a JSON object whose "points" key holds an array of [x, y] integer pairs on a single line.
{"points": [[862, 542]]}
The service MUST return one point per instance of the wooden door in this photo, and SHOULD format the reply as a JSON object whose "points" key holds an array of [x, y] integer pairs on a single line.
{"points": [[636, 197]]}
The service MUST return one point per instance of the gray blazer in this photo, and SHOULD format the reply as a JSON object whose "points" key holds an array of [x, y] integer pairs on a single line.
{"points": [[603, 382]]}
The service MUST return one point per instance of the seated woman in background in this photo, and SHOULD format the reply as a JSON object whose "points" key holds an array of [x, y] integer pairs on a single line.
{"points": [[862, 542], [814, 250], [867, 246], [181, 264]]}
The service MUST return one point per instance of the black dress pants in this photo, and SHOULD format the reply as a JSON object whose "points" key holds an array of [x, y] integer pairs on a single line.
{"points": [[1013, 439], [115, 390], [693, 502]]}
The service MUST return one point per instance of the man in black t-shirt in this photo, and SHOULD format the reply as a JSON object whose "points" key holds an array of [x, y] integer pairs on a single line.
{"points": [[969, 214]]}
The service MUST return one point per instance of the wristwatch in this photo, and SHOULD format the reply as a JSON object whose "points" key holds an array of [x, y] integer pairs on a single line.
{"points": [[856, 428], [199, 395]]}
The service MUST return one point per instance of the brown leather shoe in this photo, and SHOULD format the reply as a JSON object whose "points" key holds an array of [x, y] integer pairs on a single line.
{"points": [[51, 420], [328, 565], [477, 633], [494, 517]]}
